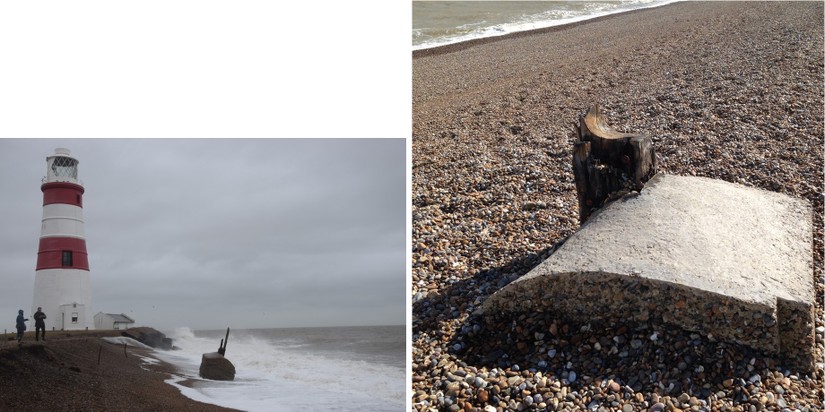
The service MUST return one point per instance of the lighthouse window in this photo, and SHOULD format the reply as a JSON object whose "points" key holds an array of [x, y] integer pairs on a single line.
{"points": [[67, 258], [64, 167], [74, 317]]}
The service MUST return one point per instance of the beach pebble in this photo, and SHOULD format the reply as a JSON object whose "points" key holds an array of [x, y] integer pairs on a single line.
{"points": [[657, 407]]}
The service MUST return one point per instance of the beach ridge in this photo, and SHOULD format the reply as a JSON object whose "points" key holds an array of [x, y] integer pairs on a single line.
{"points": [[77, 370]]}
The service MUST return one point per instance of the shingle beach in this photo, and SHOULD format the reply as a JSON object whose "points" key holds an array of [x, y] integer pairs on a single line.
{"points": [[78, 371], [728, 90]]}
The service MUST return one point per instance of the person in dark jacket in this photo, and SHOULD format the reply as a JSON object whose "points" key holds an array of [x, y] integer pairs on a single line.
{"points": [[39, 324], [21, 325]]}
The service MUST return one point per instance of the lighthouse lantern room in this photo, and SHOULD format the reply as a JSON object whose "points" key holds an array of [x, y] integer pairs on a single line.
{"points": [[61, 284]]}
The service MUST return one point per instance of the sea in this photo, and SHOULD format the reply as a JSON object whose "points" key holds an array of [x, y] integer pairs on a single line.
{"points": [[297, 369], [438, 23]]}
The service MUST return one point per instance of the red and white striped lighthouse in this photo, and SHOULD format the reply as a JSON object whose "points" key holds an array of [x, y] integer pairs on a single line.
{"points": [[61, 282]]}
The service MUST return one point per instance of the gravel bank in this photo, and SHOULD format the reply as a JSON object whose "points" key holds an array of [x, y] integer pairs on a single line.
{"points": [[731, 91], [77, 371]]}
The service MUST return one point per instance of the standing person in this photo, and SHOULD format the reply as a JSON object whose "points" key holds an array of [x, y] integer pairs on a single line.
{"points": [[39, 324], [21, 326]]}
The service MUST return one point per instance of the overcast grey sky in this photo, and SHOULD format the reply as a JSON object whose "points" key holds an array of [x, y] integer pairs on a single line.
{"points": [[214, 233]]}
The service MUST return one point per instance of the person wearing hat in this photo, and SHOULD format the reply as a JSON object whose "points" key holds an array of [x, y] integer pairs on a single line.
{"points": [[21, 325], [39, 324]]}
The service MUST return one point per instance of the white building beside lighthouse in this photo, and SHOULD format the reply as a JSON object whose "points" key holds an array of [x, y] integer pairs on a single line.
{"points": [[61, 282]]}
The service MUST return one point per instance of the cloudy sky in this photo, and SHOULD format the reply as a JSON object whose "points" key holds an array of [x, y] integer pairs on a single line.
{"points": [[214, 233]]}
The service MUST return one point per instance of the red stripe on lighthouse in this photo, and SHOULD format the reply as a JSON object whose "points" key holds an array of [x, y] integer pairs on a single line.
{"points": [[62, 192], [50, 253]]}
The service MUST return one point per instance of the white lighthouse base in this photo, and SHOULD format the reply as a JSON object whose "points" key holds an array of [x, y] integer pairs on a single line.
{"points": [[65, 296]]}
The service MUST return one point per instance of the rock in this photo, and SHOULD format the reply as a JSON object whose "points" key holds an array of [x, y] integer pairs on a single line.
{"points": [[215, 366], [657, 407], [149, 336], [514, 380]]}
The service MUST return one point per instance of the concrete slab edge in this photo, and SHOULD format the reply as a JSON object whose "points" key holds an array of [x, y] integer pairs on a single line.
{"points": [[783, 328]]}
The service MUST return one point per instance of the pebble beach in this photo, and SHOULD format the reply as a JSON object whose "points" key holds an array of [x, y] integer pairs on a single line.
{"points": [[727, 90], [78, 371]]}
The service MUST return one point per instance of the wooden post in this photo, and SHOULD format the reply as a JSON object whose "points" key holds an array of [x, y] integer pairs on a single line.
{"points": [[608, 164], [99, 352]]}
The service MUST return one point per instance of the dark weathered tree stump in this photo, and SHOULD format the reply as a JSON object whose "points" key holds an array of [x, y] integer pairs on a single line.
{"points": [[608, 164]]}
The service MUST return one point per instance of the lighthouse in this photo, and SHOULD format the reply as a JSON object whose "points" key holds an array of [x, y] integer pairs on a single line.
{"points": [[61, 282]]}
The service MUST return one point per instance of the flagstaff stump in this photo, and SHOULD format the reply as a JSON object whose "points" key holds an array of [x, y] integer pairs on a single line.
{"points": [[608, 164]]}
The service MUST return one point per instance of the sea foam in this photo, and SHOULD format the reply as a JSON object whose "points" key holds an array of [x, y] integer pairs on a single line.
{"points": [[285, 375]]}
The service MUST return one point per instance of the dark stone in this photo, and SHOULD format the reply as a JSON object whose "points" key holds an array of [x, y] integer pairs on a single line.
{"points": [[150, 337], [215, 366]]}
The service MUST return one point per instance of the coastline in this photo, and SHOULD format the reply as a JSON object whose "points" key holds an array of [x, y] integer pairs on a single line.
{"points": [[63, 373], [452, 47], [727, 90]]}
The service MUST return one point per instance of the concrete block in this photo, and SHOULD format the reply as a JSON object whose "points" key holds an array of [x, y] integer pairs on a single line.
{"points": [[709, 256]]}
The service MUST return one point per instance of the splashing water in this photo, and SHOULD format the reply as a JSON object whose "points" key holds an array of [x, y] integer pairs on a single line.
{"points": [[297, 369]]}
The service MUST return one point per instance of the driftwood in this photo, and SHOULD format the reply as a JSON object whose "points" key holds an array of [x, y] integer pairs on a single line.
{"points": [[608, 164]]}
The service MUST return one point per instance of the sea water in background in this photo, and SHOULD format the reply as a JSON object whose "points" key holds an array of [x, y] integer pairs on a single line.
{"points": [[295, 369], [437, 23]]}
